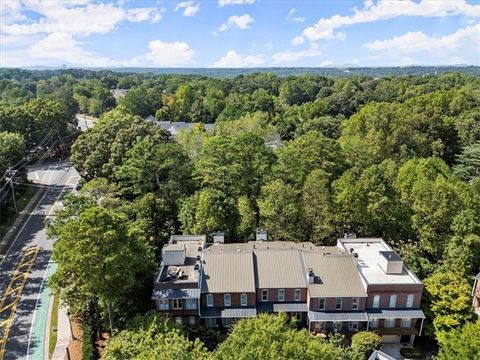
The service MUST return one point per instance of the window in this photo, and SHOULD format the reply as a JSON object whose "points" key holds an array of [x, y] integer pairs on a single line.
{"points": [[389, 323], [264, 295], [353, 326], [210, 300], [374, 323], [319, 325], [178, 320], [376, 301], [190, 304], [406, 323], [355, 304], [243, 299], [337, 325], [211, 322], [177, 304], [338, 304], [297, 295], [226, 322], [281, 294], [410, 301], [393, 301], [163, 304], [297, 316], [321, 304], [191, 320], [227, 300]]}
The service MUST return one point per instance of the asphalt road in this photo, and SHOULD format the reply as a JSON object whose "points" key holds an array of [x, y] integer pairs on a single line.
{"points": [[58, 179]]}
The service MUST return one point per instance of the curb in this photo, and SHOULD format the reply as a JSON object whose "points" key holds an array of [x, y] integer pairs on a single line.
{"points": [[20, 220]]}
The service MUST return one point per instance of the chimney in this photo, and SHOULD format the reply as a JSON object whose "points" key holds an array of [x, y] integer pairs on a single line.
{"points": [[261, 235], [218, 237], [311, 276]]}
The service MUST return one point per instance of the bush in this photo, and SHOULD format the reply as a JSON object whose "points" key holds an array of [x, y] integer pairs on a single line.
{"points": [[364, 343], [89, 351]]}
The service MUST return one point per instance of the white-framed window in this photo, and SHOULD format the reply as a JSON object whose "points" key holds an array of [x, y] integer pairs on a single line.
{"points": [[374, 323], [406, 323], [297, 295], [393, 301], [178, 320], [389, 323], [338, 304], [355, 304], [243, 300], [337, 325], [191, 320], [353, 326], [376, 301], [227, 300], [264, 294], [281, 294], [209, 300], [321, 304], [190, 304], [211, 322], [409, 301], [163, 304], [177, 304]]}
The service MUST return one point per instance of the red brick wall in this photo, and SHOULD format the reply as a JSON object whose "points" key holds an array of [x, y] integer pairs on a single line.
{"points": [[218, 299], [330, 304], [289, 295], [402, 292]]}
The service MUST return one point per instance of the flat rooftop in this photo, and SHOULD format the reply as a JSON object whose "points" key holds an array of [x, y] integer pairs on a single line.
{"points": [[370, 252]]}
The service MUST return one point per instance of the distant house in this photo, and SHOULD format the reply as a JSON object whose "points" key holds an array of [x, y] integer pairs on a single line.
{"points": [[476, 294], [119, 93], [173, 127], [380, 355]]}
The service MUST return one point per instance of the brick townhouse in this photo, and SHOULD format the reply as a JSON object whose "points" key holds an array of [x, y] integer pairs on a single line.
{"points": [[359, 284]]}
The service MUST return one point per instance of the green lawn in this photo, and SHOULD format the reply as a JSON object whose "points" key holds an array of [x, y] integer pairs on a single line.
{"points": [[53, 327], [10, 215]]}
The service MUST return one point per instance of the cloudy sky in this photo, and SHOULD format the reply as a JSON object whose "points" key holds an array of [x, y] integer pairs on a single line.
{"points": [[238, 33]]}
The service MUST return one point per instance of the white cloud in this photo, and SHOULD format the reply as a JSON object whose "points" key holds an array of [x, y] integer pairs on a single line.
{"points": [[291, 16], [242, 22], [326, 28], [235, 2], [234, 60], [290, 56], [189, 8], [169, 54]]}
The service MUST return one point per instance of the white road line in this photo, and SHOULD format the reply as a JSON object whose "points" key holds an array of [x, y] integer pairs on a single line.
{"points": [[35, 309], [36, 175]]}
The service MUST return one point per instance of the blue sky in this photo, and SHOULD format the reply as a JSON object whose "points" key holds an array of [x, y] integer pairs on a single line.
{"points": [[238, 33]]}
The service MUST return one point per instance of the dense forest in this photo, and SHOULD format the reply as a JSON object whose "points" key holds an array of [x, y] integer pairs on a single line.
{"points": [[306, 157]]}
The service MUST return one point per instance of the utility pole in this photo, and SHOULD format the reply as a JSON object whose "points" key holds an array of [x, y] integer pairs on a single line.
{"points": [[10, 180]]}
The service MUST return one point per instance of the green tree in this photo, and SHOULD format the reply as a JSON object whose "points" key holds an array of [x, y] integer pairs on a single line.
{"points": [[461, 343], [268, 337], [468, 163], [363, 344], [12, 149]]}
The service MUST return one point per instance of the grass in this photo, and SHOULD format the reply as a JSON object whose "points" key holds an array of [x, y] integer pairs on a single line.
{"points": [[9, 213], [52, 341], [413, 353]]}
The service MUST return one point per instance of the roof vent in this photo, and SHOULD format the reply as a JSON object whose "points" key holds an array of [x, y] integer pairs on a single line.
{"points": [[352, 250], [311, 276], [261, 235], [199, 257], [200, 248], [196, 266]]}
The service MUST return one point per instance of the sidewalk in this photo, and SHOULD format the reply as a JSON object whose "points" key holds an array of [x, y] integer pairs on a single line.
{"points": [[63, 335]]}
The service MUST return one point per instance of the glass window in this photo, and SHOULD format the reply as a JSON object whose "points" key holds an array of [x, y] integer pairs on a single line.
{"points": [[297, 295], [163, 304], [409, 301], [389, 323], [211, 322], [376, 301], [338, 304], [243, 300], [190, 304], [374, 323], [264, 295], [355, 304], [281, 294], [178, 320], [177, 304], [226, 322], [337, 325], [353, 326], [227, 300], [406, 323], [209, 299], [319, 325], [191, 320], [393, 301], [321, 304]]}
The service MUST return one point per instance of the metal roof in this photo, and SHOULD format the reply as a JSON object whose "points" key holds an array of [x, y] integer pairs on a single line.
{"points": [[396, 314], [228, 273], [478, 276], [335, 276], [176, 294], [282, 307], [380, 355], [337, 316], [215, 312], [279, 269]]}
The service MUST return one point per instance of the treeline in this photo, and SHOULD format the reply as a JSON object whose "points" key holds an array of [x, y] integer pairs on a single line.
{"points": [[307, 158]]}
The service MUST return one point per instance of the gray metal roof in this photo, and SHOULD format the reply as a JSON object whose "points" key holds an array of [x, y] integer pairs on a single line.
{"points": [[335, 276], [478, 276], [282, 307], [337, 316], [215, 312], [228, 273], [176, 294], [279, 269], [380, 355], [396, 314]]}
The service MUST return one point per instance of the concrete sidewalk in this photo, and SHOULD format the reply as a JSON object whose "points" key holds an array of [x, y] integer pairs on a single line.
{"points": [[63, 335]]}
